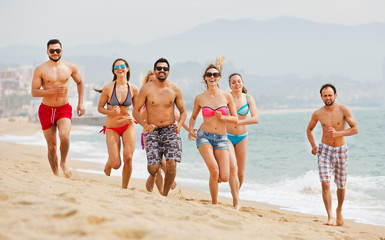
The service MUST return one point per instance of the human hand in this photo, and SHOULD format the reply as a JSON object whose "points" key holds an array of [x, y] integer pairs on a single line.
{"points": [[130, 119], [192, 135], [149, 128], [59, 89], [332, 132], [115, 111], [176, 128], [218, 115], [314, 150], [80, 110]]}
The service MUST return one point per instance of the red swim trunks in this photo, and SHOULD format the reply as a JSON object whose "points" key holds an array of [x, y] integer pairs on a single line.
{"points": [[49, 115]]}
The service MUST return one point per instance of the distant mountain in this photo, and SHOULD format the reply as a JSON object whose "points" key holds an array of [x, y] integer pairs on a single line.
{"points": [[284, 61], [272, 48]]}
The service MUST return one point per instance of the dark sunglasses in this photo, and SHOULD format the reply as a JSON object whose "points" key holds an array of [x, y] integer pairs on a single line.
{"points": [[116, 67], [51, 51], [164, 68], [209, 74]]}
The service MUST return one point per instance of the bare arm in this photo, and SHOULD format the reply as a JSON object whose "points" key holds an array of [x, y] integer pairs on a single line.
{"points": [[139, 103], [233, 117], [182, 111], [177, 118], [134, 95], [253, 113], [102, 102], [193, 119], [79, 83], [37, 83], [310, 134]]}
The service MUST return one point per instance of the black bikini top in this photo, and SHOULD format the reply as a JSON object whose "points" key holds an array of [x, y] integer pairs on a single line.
{"points": [[114, 99]]}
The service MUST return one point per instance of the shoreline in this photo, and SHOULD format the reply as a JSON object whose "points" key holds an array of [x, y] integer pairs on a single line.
{"points": [[35, 204]]}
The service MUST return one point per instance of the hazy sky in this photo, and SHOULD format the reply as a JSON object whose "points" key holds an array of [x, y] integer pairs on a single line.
{"points": [[134, 22]]}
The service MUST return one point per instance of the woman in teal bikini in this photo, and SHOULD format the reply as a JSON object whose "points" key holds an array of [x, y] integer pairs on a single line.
{"points": [[237, 133]]}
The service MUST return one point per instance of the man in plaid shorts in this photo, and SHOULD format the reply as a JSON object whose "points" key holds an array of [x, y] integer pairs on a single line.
{"points": [[332, 152]]}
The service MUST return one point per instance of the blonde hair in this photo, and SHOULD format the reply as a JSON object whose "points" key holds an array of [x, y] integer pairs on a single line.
{"points": [[144, 79], [218, 65]]}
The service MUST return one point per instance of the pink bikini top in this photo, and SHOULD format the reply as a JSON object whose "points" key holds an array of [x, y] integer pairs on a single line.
{"points": [[209, 112]]}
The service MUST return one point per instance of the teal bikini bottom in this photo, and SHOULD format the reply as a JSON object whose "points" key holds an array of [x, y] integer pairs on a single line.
{"points": [[236, 138]]}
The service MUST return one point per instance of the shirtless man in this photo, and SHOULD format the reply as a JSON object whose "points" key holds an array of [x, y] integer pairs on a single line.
{"points": [[50, 82], [162, 133], [332, 152]]}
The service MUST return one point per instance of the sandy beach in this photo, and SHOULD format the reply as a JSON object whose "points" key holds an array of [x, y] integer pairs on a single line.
{"points": [[35, 204]]}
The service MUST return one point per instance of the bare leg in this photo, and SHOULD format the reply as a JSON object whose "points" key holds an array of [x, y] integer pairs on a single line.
{"points": [[50, 137], [240, 154], [159, 181], [341, 198], [156, 179], [234, 182], [173, 185], [169, 176], [207, 154], [64, 127], [152, 170], [128, 150], [107, 167], [327, 198]]}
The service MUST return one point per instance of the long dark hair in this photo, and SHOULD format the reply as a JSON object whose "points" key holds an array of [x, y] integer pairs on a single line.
{"points": [[244, 90]]}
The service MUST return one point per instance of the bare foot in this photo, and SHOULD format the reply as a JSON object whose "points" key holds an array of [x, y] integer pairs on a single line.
{"points": [[150, 183], [107, 169], [237, 206], [340, 218], [67, 172], [330, 222], [173, 185]]}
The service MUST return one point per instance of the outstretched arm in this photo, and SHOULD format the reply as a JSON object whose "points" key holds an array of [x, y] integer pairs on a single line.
{"points": [[310, 134], [79, 82], [253, 113], [182, 111], [193, 118]]}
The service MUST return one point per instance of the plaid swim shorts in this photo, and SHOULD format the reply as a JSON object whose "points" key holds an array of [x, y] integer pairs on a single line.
{"points": [[333, 160], [163, 141]]}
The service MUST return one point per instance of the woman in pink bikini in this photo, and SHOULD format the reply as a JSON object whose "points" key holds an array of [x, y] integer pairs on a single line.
{"points": [[211, 138], [119, 95]]}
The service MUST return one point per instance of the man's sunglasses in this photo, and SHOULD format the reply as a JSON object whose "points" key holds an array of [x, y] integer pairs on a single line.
{"points": [[116, 67], [51, 51], [164, 68], [209, 74]]}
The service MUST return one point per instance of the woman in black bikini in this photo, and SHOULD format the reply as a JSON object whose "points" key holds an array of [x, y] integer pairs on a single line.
{"points": [[119, 95]]}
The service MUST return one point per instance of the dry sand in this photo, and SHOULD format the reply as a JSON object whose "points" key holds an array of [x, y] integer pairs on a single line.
{"points": [[35, 204]]}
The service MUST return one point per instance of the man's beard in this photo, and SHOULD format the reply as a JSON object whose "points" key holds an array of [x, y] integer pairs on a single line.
{"points": [[329, 104], [55, 60], [161, 79]]}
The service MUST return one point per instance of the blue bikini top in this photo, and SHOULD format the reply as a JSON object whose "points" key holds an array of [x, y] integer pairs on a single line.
{"points": [[114, 99], [244, 110]]}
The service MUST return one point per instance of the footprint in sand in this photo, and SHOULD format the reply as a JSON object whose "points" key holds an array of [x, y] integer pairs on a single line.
{"points": [[65, 214], [96, 220], [131, 233]]}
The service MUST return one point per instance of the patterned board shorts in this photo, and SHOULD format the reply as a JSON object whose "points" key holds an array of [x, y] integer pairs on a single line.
{"points": [[163, 141], [333, 159]]}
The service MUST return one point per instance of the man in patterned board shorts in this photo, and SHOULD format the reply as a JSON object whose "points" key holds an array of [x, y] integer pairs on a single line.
{"points": [[162, 133], [332, 152]]}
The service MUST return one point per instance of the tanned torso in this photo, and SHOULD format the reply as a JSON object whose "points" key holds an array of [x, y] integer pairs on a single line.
{"points": [[160, 104], [53, 76], [332, 118]]}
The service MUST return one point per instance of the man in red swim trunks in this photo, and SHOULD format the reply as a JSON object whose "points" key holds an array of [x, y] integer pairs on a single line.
{"points": [[50, 82]]}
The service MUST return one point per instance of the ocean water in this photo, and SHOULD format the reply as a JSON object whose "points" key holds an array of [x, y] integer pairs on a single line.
{"points": [[280, 169]]}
